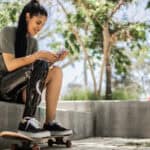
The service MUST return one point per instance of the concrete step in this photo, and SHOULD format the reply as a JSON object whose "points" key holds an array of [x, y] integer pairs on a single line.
{"points": [[100, 143], [80, 122], [129, 119]]}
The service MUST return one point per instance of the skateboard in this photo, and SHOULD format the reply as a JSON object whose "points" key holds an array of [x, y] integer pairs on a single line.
{"points": [[24, 142]]}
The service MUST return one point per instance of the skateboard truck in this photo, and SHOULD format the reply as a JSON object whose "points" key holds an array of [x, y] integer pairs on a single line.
{"points": [[59, 141]]}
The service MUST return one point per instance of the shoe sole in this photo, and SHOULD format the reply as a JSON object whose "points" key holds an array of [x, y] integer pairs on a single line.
{"points": [[36, 135], [61, 133]]}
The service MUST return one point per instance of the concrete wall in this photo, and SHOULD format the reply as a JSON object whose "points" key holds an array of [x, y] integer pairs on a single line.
{"points": [[81, 123], [116, 118], [10, 115], [123, 119], [86, 119]]}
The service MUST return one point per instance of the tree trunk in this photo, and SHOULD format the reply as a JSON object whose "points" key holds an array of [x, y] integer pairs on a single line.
{"points": [[101, 76], [108, 94], [87, 58], [85, 73], [106, 45], [79, 40]]}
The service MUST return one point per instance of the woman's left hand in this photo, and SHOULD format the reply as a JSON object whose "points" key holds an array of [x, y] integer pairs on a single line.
{"points": [[62, 55]]}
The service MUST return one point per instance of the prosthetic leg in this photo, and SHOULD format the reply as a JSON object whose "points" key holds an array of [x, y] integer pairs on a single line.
{"points": [[35, 86], [32, 78]]}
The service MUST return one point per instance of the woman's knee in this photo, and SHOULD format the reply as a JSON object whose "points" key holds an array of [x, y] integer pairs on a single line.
{"points": [[54, 73], [57, 71]]}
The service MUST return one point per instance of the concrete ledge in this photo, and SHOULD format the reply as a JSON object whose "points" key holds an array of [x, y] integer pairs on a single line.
{"points": [[81, 106], [123, 119], [9, 118], [130, 119], [80, 122]]}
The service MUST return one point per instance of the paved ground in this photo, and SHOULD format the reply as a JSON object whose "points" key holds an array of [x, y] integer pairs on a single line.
{"points": [[106, 144]]}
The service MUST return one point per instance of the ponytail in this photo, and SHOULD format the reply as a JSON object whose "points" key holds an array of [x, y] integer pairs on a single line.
{"points": [[34, 1], [34, 8]]}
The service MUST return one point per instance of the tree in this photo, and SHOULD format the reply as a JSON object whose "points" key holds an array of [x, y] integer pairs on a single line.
{"points": [[9, 12], [101, 33], [96, 18]]}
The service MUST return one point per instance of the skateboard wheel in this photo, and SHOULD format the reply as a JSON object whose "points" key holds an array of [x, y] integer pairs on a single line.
{"points": [[68, 144], [50, 143], [14, 147], [35, 147]]}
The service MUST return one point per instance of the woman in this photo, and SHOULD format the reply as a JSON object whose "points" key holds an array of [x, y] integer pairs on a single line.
{"points": [[19, 59]]}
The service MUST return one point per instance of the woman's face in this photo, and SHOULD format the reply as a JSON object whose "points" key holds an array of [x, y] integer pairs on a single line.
{"points": [[35, 23]]}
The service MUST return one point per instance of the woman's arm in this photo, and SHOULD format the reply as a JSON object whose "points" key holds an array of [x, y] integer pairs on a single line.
{"points": [[13, 63]]}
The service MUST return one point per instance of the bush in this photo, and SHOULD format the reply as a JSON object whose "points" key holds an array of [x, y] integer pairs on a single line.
{"points": [[124, 94], [117, 94], [80, 94]]}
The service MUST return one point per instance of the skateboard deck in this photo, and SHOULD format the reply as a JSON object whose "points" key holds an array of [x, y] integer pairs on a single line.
{"points": [[24, 142]]}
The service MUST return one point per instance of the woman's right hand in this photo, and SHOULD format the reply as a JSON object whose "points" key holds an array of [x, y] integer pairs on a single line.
{"points": [[46, 55]]}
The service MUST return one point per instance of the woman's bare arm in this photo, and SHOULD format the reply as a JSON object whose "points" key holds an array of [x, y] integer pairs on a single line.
{"points": [[13, 63]]}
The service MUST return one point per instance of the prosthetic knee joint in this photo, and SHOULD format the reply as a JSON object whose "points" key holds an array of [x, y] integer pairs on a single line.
{"points": [[35, 86]]}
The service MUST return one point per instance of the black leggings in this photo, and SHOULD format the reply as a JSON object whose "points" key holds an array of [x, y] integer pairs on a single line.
{"points": [[32, 78]]}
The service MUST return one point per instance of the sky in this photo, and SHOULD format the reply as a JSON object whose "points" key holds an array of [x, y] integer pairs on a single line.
{"points": [[74, 74], [134, 13]]}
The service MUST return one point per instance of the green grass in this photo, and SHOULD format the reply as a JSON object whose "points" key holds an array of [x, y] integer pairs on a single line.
{"points": [[80, 94], [117, 94], [124, 94]]}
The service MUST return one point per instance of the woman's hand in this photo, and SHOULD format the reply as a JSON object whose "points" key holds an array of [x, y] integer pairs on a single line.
{"points": [[62, 54], [49, 56]]}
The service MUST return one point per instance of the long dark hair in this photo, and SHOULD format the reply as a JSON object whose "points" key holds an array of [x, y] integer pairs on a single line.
{"points": [[33, 8]]}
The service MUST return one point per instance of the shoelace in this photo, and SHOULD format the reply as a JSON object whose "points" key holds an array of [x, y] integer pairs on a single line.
{"points": [[34, 122]]}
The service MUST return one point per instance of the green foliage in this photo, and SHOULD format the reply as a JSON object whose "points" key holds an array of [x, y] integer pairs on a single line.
{"points": [[96, 54], [125, 94], [92, 13], [90, 4], [9, 13], [96, 37], [114, 26], [137, 31], [4, 19], [80, 94], [97, 10], [70, 42], [104, 11], [148, 5], [91, 16], [120, 60], [117, 94], [77, 19]]}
